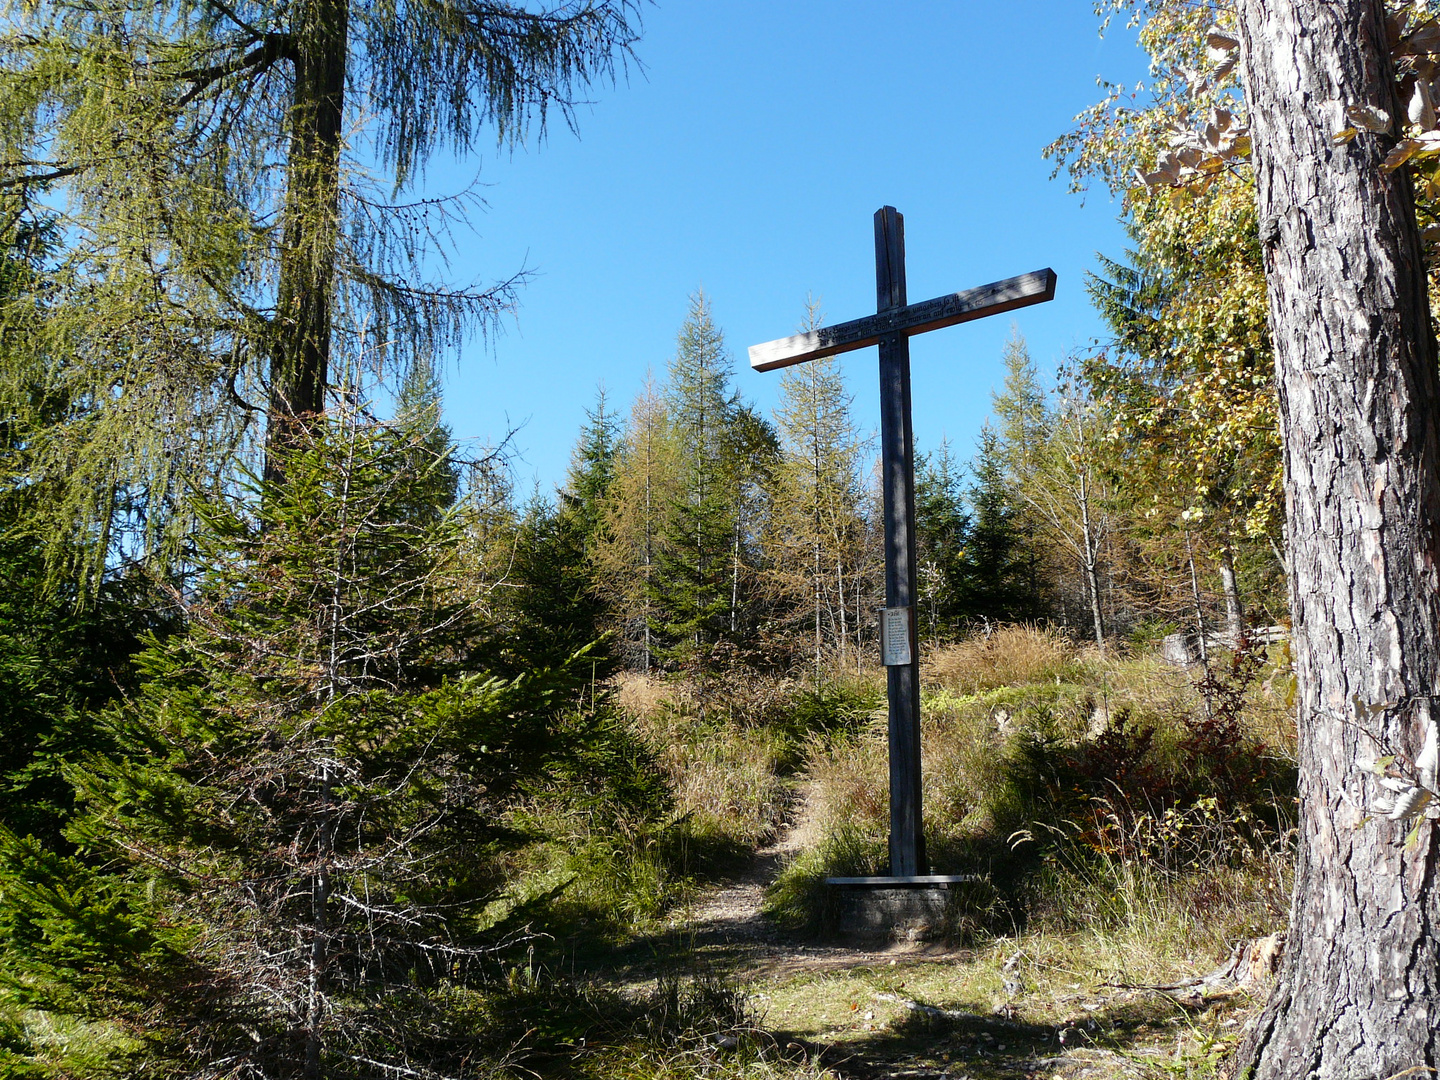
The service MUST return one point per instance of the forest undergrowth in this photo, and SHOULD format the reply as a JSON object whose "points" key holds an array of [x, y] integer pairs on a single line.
{"points": [[1131, 823]]}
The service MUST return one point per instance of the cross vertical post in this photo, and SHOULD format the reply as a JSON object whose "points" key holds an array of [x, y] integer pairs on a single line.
{"points": [[897, 456]]}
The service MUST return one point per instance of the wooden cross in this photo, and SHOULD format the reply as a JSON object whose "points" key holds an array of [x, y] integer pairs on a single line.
{"points": [[891, 328]]}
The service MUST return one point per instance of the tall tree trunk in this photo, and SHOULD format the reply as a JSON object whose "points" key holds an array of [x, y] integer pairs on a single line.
{"points": [[859, 624], [1092, 573], [649, 537], [320, 887], [818, 647], [1199, 607], [735, 578], [1359, 992], [300, 352], [1234, 614], [815, 494]]}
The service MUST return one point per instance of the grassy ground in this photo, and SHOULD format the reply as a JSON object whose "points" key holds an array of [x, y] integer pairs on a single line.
{"points": [[665, 913], [1131, 819], [1063, 1018]]}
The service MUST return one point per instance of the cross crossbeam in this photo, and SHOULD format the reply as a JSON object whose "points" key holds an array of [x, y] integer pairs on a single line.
{"points": [[999, 296], [891, 328]]}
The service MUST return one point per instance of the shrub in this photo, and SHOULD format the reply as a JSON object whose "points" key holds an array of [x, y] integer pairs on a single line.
{"points": [[808, 713], [1122, 778]]}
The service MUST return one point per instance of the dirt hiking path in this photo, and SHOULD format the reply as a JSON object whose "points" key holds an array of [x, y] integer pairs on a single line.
{"points": [[729, 922], [883, 1033]]}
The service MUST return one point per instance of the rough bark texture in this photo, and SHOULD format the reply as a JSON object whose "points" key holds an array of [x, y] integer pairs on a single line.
{"points": [[300, 357], [1355, 365]]}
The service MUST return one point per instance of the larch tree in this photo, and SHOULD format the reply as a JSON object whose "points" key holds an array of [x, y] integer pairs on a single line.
{"points": [[632, 531], [816, 530], [1355, 359], [209, 168], [1047, 450]]}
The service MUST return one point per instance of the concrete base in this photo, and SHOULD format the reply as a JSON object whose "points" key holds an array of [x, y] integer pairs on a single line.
{"points": [[918, 908]]}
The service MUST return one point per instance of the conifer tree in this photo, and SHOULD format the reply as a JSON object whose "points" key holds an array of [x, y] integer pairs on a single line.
{"points": [[592, 470], [554, 603], [752, 455], [941, 530], [1048, 449], [632, 531], [693, 590], [221, 238], [59, 660], [552, 607], [996, 583], [815, 536], [295, 816]]}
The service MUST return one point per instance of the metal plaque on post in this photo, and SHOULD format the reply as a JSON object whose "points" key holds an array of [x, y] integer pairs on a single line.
{"points": [[895, 636]]}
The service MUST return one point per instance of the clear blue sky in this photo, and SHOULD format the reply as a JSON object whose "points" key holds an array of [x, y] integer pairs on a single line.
{"points": [[748, 158]]}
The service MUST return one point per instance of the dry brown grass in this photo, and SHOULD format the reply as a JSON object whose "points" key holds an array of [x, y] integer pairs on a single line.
{"points": [[735, 794], [1008, 656], [850, 784], [985, 700], [964, 762], [639, 696], [723, 775]]}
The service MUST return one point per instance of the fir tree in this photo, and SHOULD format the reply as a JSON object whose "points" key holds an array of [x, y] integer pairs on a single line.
{"points": [[752, 451], [996, 584], [692, 593], [553, 608], [303, 789], [941, 535], [592, 471], [556, 604]]}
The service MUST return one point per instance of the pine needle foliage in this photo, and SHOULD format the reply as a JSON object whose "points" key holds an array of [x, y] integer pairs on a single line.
{"points": [[703, 572], [287, 860], [208, 168], [815, 537]]}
